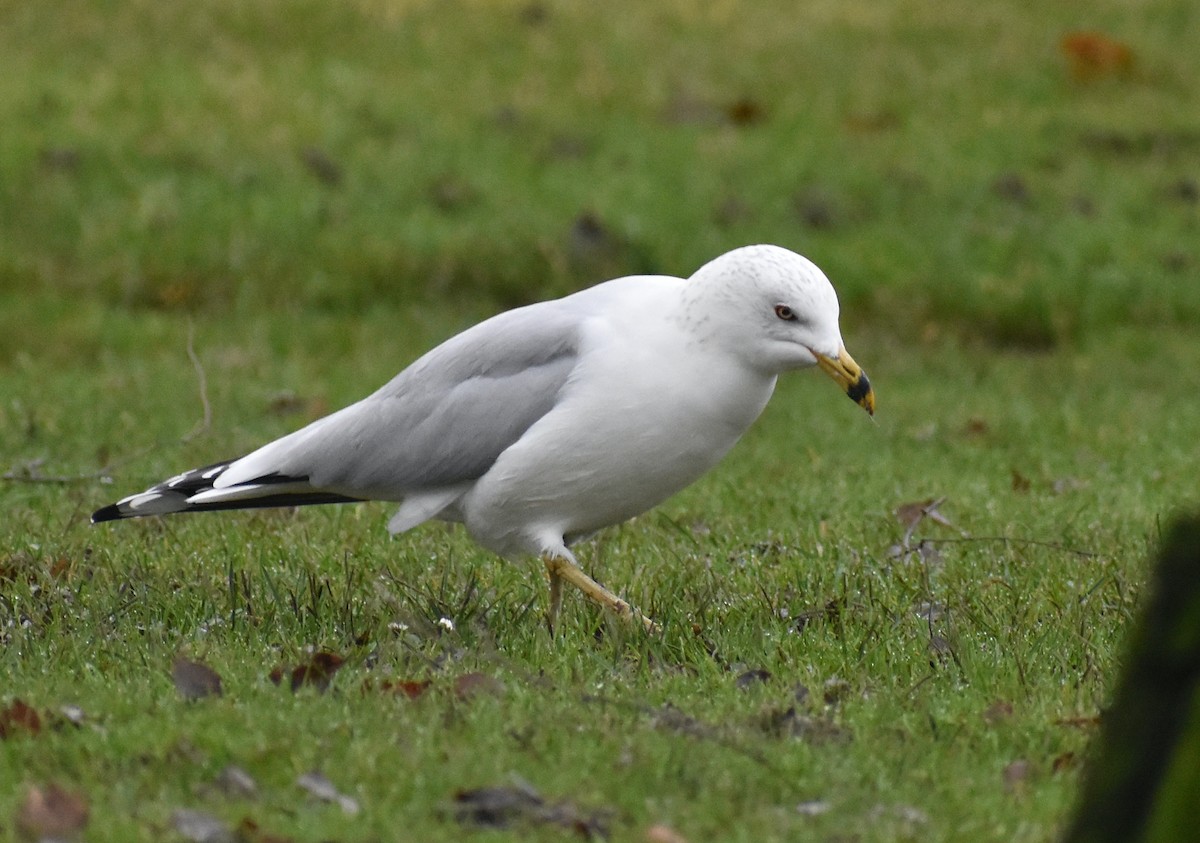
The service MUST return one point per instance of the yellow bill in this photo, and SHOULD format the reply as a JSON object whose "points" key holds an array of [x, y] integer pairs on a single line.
{"points": [[850, 377]]}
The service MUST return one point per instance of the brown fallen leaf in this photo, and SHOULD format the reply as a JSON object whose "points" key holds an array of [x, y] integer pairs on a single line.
{"points": [[318, 671], [248, 831], [52, 812], [410, 688], [1020, 483], [745, 112], [506, 806], [195, 680], [19, 717], [1093, 55], [912, 514], [1064, 761], [1080, 722], [60, 568]]}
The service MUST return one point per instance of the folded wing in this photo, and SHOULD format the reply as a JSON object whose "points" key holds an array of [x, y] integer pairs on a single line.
{"points": [[427, 434]]}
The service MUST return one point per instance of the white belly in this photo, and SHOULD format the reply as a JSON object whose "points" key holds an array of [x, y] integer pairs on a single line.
{"points": [[606, 453]]}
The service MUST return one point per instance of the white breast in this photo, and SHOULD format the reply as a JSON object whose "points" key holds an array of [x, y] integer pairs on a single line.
{"points": [[642, 418]]}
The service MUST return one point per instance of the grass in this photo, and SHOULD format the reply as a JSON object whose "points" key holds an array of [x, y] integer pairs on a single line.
{"points": [[320, 193]]}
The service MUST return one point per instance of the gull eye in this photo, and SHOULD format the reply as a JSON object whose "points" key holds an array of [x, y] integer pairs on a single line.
{"points": [[785, 313]]}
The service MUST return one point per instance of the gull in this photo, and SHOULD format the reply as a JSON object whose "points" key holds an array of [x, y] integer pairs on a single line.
{"points": [[543, 424]]}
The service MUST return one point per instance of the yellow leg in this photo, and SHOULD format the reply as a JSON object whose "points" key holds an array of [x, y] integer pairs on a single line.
{"points": [[555, 595], [560, 569]]}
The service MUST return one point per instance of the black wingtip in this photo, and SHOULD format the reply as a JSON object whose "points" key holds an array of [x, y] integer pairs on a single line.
{"points": [[109, 513]]}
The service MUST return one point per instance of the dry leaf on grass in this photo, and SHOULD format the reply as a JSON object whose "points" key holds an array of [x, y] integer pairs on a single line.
{"points": [[316, 672], [17, 718], [913, 513], [1081, 722], [249, 832], [504, 807], [1020, 483], [52, 812], [1092, 55], [195, 680], [745, 112], [409, 688], [1064, 761]]}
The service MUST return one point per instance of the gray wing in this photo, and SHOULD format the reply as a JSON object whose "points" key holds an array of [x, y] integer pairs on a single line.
{"points": [[443, 420]]}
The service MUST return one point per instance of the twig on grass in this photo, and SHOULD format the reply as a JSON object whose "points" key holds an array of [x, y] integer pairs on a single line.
{"points": [[202, 382]]}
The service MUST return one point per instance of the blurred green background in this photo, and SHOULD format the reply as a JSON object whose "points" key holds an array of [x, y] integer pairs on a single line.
{"points": [[949, 165]]}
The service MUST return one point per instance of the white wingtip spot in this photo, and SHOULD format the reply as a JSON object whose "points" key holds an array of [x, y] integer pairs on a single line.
{"points": [[176, 480], [151, 503]]}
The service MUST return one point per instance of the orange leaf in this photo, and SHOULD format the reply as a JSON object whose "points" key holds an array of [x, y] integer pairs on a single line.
{"points": [[318, 672], [411, 688], [19, 717], [1092, 55]]}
